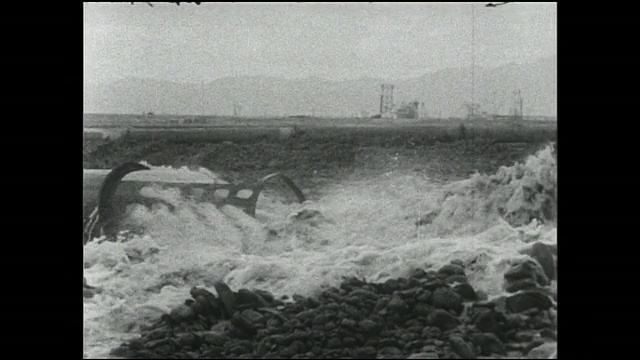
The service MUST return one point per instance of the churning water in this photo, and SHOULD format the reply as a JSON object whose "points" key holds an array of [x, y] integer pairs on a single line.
{"points": [[365, 228]]}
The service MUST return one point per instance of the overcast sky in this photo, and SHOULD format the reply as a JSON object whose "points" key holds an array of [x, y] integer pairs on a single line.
{"points": [[190, 43]]}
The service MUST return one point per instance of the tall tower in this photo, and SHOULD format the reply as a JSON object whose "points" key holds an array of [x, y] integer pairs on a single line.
{"points": [[386, 99], [473, 61], [237, 107], [517, 105]]}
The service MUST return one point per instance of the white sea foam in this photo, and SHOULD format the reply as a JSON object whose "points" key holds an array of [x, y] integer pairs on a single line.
{"points": [[365, 228]]}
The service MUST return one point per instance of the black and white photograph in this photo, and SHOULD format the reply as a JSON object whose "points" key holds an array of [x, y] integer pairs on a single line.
{"points": [[315, 180]]}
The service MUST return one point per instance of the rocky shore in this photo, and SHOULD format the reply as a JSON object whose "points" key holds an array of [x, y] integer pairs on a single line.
{"points": [[428, 315]]}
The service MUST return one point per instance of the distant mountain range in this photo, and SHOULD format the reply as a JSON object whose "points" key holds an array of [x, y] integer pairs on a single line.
{"points": [[444, 92]]}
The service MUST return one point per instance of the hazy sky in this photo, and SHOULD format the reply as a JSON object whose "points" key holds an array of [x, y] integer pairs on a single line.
{"points": [[191, 43]]}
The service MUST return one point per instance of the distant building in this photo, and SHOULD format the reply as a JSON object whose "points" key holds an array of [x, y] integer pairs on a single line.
{"points": [[408, 111]]}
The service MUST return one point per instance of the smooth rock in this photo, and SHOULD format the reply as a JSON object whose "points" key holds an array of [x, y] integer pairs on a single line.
{"points": [[289, 351], [418, 273], [333, 343], [274, 323], [182, 313], [544, 351], [466, 291], [239, 350], [201, 306], [451, 269], [522, 284], [532, 345], [137, 344], [253, 316], [349, 341], [156, 343], [429, 348], [365, 352], [415, 329], [265, 295], [364, 294], [443, 320], [388, 342], [410, 293], [350, 323], [527, 300], [389, 352], [516, 321], [329, 327], [320, 319], [355, 301], [421, 310], [543, 254], [424, 296], [312, 303], [306, 314], [369, 326], [122, 351], [526, 269], [406, 337], [514, 354], [414, 344], [524, 336], [460, 347], [485, 320], [423, 355], [398, 305], [214, 339], [458, 262], [484, 304], [549, 334], [541, 321], [389, 286], [292, 324], [296, 335], [446, 298], [195, 292], [355, 312], [190, 340], [227, 297], [250, 298], [351, 283], [456, 279], [432, 285], [243, 324], [488, 343], [549, 292]]}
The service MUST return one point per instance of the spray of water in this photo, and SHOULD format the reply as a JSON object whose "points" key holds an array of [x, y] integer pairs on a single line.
{"points": [[363, 228]]}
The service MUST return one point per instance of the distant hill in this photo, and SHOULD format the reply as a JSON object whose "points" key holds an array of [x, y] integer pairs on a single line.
{"points": [[443, 92]]}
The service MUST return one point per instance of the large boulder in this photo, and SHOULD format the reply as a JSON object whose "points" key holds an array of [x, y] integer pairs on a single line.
{"points": [[442, 320], [526, 300], [446, 298], [544, 351], [526, 274], [488, 343], [543, 254], [461, 347]]}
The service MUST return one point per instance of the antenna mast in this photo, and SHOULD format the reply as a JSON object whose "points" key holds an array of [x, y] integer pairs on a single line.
{"points": [[473, 59]]}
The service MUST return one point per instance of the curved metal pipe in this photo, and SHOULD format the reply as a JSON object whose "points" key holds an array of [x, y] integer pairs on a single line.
{"points": [[102, 214], [105, 214], [260, 185]]}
